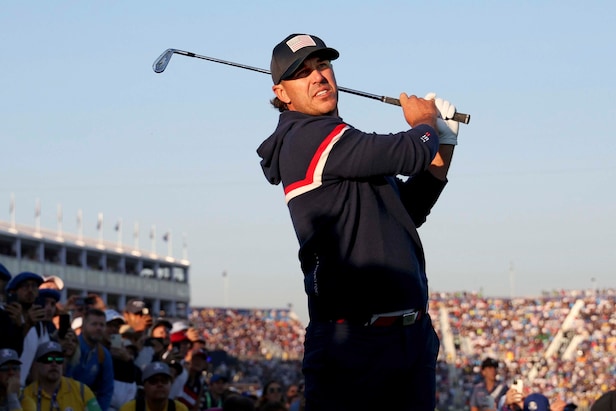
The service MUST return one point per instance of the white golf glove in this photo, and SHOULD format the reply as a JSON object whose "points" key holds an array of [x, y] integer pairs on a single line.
{"points": [[447, 128]]}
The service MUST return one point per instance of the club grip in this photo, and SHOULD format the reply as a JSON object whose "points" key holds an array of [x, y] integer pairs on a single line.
{"points": [[459, 117]]}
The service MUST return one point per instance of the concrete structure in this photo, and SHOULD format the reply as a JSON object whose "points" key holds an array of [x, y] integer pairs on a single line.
{"points": [[115, 272]]}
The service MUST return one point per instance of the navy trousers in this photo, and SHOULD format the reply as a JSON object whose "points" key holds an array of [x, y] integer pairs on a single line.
{"points": [[354, 367]]}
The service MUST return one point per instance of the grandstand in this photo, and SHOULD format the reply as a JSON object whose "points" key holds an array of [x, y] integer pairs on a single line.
{"points": [[563, 342], [115, 272]]}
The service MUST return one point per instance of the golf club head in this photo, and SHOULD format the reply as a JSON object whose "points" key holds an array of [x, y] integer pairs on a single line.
{"points": [[160, 64]]}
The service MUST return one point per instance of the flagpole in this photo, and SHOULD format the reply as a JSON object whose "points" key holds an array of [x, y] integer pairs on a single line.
{"points": [[118, 229], [99, 227], [167, 239], [80, 225], [12, 213], [59, 221], [136, 235], [153, 238], [184, 247], [37, 217]]}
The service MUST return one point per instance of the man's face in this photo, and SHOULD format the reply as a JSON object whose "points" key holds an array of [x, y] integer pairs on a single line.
{"points": [[489, 373], [112, 327], [198, 363], [157, 387], [311, 89], [93, 328], [27, 291], [161, 331], [50, 367], [139, 321], [50, 308], [9, 370]]}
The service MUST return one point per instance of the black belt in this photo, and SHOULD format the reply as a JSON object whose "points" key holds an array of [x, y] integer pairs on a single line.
{"points": [[396, 318]]}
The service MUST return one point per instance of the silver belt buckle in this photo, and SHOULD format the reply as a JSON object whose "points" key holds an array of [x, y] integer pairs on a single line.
{"points": [[409, 318]]}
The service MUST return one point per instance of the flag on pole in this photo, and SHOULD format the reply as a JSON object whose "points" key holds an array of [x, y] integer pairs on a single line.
{"points": [[59, 213], [99, 223], [152, 230], [136, 230], [37, 208], [117, 226], [166, 236], [12, 204], [79, 218]]}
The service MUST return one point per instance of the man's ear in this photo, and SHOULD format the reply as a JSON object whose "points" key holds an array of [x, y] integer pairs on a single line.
{"points": [[281, 93]]}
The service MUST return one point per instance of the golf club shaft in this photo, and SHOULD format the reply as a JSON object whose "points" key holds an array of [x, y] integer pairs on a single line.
{"points": [[161, 63]]}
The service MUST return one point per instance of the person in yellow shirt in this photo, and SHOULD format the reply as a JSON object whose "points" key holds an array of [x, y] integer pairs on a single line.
{"points": [[51, 391], [10, 389], [156, 378]]}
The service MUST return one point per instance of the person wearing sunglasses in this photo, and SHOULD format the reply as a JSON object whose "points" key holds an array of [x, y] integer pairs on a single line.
{"points": [[156, 387], [50, 390], [10, 371]]}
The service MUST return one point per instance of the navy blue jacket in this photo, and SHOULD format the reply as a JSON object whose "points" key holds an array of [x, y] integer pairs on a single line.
{"points": [[355, 220]]}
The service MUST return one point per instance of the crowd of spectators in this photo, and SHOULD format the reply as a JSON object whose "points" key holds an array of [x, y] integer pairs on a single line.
{"points": [[257, 353]]}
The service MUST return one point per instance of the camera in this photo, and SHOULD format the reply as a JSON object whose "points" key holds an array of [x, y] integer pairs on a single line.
{"points": [[40, 301], [11, 298]]}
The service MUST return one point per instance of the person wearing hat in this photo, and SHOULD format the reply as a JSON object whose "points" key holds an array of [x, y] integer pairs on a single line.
{"points": [[125, 373], [5, 277], [11, 316], [156, 385], [29, 313], [487, 394], [356, 223], [10, 387], [195, 386], [53, 282], [138, 315], [49, 298], [51, 390]]}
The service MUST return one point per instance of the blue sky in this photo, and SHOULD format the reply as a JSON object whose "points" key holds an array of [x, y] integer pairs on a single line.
{"points": [[87, 124]]}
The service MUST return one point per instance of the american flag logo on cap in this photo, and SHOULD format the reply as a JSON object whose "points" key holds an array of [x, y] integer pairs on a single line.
{"points": [[299, 42], [158, 366], [5, 353]]}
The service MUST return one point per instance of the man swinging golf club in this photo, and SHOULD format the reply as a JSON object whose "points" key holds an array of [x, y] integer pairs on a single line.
{"points": [[370, 343]]}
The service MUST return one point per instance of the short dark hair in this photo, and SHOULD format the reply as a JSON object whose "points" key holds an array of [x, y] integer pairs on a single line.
{"points": [[279, 104], [93, 312]]}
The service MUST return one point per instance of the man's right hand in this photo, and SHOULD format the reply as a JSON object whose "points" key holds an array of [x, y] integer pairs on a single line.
{"points": [[418, 110], [15, 312]]}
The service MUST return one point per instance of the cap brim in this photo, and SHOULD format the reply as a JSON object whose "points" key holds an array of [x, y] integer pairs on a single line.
{"points": [[327, 53]]}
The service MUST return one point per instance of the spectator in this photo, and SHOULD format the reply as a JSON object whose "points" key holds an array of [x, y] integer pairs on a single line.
{"points": [[272, 392], [48, 298], [70, 349], [52, 282], [10, 386], [24, 289], [51, 390], [291, 394], [193, 391], [5, 277], [156, 386], [95, 366], [137, 315], [127, 376], [215, 395], [11, 316], [487, 393]]}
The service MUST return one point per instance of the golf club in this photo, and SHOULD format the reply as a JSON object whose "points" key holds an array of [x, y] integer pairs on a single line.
{"points": [[160, 64]]}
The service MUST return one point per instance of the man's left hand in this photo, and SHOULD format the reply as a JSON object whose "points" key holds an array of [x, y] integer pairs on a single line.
{"points": [[447, 128]]}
